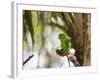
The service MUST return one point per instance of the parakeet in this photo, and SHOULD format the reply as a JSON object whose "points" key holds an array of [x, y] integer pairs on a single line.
{"points": [[67, 49], [65, 41]]}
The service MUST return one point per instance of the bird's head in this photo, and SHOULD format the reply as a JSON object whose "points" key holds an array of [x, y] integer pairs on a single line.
{"points": [[61, 36]]}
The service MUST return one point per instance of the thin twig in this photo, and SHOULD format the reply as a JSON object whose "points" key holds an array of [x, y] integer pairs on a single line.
{"points": [[27, 59]]}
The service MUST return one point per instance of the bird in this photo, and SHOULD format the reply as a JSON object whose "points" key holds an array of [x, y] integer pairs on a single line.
{"points": [[65, 41], [67, 49]]}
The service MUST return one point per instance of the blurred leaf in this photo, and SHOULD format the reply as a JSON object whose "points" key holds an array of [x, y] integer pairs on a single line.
{"points": [[69, 17], [71, 26], [28, 19], [35, 18], [38, 29]]}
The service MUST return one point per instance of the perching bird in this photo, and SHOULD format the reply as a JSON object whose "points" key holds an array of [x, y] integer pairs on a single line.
{"points": [[65, 41], [67, 49]]}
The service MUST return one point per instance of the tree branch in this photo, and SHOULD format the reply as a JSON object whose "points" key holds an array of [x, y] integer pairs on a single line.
{"points": [[72, 58]]}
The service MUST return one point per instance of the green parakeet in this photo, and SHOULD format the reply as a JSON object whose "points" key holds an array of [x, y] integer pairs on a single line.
{"points": [[65, 41]]}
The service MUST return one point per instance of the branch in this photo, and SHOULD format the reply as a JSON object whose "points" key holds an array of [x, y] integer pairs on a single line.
{"points": [[27, 59], [72, 58]]}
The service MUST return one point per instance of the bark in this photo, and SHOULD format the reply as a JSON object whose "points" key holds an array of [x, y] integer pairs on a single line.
{"points": [[81, 37]]}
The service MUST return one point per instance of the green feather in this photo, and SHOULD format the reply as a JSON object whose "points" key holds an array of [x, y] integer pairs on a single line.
{"points": [[65, 41]]}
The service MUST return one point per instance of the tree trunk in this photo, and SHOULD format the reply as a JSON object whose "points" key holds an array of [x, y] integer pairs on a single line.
{"points": [[81, 39]]}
